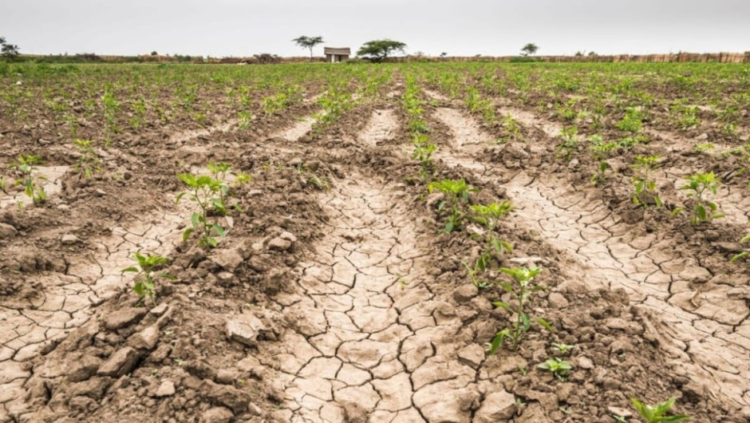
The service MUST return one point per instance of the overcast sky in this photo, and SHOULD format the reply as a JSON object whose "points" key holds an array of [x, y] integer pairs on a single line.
{"points": [[458, 27]]}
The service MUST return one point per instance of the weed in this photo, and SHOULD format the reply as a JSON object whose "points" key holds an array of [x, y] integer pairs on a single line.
{"points": [[490, 216], [558, 367], [601, 175], [146, 266], [569, 143], [656, 414], [521, 289], [631, 122]]}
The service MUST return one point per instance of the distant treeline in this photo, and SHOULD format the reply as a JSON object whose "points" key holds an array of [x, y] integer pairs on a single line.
{"points": [[266, 58]]}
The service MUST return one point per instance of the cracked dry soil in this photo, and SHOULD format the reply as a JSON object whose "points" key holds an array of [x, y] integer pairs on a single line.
{"points": [[369, 337], [702, 325]]}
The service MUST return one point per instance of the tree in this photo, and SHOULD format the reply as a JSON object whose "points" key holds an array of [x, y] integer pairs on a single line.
{"points": [[443, 54], [9, 51], [378, 50], [308, 43], [154, 53], [529, 49]]}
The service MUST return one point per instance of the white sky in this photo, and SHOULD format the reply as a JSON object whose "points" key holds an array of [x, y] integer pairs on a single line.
{"points": [[458, 27]]}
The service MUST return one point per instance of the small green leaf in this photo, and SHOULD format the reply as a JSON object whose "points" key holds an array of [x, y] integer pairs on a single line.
{"points": [[187, 233], [130, 269], [545, 324]]}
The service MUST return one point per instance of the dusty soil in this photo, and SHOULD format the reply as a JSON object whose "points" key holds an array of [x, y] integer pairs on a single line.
{"points": [[335, 297]]}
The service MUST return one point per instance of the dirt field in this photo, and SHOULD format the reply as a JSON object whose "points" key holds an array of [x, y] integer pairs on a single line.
{"points": [[356, 260]]}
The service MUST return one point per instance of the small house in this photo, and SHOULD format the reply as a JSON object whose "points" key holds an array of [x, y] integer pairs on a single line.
{"points": [[336, 55]]}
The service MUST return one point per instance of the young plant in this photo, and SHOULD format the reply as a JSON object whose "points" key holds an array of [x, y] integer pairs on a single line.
{"points": [[558, 367], [657, 413], [146, 266], [631, 122], [569, 143], [742, 254], [26, 166], [643, 184], [703, 210], [456, 195], [206, 192], [88, 161], [520, 289], [490, 216], [562, 348], [601, 175]]}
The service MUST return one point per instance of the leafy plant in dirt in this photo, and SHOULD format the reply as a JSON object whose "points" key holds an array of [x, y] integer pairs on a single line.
{"points": [[26, 165], [562, 348], [643, 185], [558, 367], [423, 151], [704, 147], [520, 290], [88, 160], [146, 267], [689, 118], [600, 175], [206, 192], [703, 210], [244, 120], [512, 128], [569, 142], [456, 196], [490, 216], [310, 177], [631, 122], [743, 254], [657, 413]]}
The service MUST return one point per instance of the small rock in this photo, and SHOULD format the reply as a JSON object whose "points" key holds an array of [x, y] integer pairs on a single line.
{"points": [[123, 318], [702, 137], [585, 363], [166, 389], [288, 236], [465, 293], [525, 261], [227, 258], [217, 415], [228, 396], [69, 239], [557, 300], [120, 363], [227, 376], [145, 339], [100, 193], [225, 278], [7, 231], [159, 310], [245, 329], [254, 410], [573, 164], [473, 355], [622, 412], [279, 244], [63, 207], [497, 407], [84, 368]]}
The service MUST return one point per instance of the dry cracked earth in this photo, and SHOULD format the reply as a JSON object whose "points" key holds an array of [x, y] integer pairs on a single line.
{"points": [[368, 336]]}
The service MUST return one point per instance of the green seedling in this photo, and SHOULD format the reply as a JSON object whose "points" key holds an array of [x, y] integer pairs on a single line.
{"points": [[569, 143], [26, 165], [704, 210], [88, 161], [744, 253], [563, 348], [206, 192], [490, 216], [456, 195], [643, 185], [146, 267], [520, 289], [601, 175], [631, 122], [558, 367], [657, 413]]}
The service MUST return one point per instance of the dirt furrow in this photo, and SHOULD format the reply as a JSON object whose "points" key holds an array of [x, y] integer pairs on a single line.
{"points": [[35, 325], [706, 315]]}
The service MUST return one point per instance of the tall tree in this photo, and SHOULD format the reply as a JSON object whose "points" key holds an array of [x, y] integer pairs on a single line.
{"points": [[529, 49], [9, 51], [308, 43], [378, 50]]}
